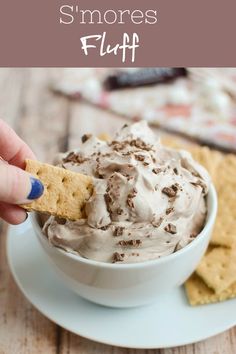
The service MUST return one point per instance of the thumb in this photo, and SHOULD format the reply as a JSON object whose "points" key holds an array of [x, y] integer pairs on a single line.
{"points": [[18, 186]]}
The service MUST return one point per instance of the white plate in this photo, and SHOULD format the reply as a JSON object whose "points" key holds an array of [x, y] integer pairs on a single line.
{"points": [[169, 322]]}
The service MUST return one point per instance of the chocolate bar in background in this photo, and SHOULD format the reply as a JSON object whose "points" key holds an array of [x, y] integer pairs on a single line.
{"points": [[142, 77]]}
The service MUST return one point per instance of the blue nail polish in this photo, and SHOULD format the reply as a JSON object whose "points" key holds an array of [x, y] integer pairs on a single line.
{"points": [[37, 188]]}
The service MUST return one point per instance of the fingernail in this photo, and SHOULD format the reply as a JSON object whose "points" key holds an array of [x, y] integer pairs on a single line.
{"points": [[26, 217], [37, 188]]}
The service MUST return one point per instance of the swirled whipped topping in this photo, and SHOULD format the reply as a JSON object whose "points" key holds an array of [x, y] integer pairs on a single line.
{"points": [[148, 200]]}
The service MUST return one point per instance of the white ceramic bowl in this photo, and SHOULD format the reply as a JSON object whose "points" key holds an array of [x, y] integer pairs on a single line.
{"points": [[127, 285]]}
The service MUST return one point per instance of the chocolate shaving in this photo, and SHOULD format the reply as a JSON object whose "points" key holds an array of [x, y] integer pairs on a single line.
{"points": [[169, 210], [171, 191], [133, 193], [104, 228], [157, 222], [139, 157], [86, 137], [125, 243], [127, 153], [193, 235], [118, 231], [156, 170], [175, 171], [140, 144], [118, 145], [176, 248], [118, 257], [200, 184], [119, 211], [130, 203], [170, 228], [130, 196], [107, 198], [74, 158], [175, 187]]}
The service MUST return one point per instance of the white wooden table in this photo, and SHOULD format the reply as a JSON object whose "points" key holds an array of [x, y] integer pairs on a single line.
{"points": [[51, 123]]}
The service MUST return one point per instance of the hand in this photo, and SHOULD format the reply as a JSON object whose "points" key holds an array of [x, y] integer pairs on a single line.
{"points": [[16, 185]]}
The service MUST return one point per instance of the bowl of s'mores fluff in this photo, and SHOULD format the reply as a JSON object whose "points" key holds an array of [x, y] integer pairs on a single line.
{"points": [[129, 218]]}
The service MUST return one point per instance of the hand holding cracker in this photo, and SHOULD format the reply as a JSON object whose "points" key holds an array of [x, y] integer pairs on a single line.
{"points": [[16, 185], [65, 192]]}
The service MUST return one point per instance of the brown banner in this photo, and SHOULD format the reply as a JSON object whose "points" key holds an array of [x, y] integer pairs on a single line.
{"points": [[117, 33]]}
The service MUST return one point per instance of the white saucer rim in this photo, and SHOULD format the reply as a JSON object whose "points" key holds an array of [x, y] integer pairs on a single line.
{"points": [[93, 338]]}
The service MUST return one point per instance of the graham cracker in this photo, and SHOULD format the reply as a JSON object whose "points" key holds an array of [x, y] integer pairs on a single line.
{"points": [[222, 169], [218, 269], [208, 158], [199, 293], [65, 192], [227, 172], [224, 233], [215, 277]]}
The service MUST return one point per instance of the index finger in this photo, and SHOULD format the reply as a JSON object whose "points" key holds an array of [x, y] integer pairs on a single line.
{"points": [[12, 148]]}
